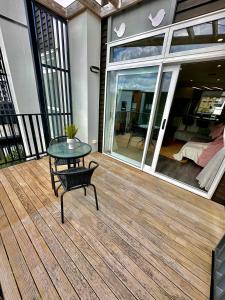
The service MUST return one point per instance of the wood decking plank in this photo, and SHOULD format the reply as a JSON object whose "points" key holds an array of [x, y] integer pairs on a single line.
{"points": [[80, 227], [59, 279], [7, 280], [84, 267], [73, 274], [149, 240], [105, 272], [34, 263], [25, 282], [190, 253], [103, 234]]}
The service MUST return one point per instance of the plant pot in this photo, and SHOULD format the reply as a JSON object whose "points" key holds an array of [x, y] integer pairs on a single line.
{"points": [[71, 143]]}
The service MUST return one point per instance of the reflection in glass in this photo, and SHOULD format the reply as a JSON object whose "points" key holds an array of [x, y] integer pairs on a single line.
{"points": [[221, 26], [151, 46], [128, 107], [164, 88], [199, 36]]}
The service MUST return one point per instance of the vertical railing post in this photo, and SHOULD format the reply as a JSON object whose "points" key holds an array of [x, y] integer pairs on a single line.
{"points": [[33, 136]]}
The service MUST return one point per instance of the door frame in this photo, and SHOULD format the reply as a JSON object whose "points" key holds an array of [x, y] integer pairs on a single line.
{"points": [[157, 85], [169, 99]]}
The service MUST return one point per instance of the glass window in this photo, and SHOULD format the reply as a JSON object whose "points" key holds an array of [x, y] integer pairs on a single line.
{"points": [[129, 101], [151, 46], [199, 36]]}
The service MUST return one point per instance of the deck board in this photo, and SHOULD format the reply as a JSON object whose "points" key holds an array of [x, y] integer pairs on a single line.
{"points": [[149, 240]]}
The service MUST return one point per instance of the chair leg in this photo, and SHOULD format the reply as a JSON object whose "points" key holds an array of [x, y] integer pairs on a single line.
{"points": [[85, 191], [52, 180], [62, 212], [96, 198], [129, 139], [53, 184], [57, 190]]}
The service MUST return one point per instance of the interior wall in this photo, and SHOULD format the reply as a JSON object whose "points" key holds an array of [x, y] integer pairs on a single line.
{"points": [[16, 48], [84, 42]]}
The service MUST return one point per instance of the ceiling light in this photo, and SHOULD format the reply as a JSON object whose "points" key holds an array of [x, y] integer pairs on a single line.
{"points": [[217, 88], [220, 40], [206, 87], [64, 3], [196, 88], [219, 66]]}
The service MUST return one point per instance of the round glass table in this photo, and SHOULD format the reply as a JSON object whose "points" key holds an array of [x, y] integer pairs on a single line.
{"points": [[61, 150]]}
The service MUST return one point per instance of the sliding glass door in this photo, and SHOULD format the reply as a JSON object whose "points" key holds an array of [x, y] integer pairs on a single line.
{"points": [[159, 118], [137, 106], [130, 98]]}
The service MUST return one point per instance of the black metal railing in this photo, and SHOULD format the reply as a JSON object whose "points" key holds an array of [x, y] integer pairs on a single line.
{"points": [[23, 136]]}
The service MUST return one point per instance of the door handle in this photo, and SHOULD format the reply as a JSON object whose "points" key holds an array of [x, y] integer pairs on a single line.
{"points": [[163, 124]]}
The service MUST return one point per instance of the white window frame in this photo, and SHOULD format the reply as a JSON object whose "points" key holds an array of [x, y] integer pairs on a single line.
{"points": [[135, 38], [196, 21]]}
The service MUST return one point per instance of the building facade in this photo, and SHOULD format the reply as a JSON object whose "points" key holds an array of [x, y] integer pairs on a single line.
{"points": [[162, 92]]}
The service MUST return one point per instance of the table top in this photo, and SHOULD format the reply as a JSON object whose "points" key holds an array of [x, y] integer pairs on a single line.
{"points": [[61, 150]]}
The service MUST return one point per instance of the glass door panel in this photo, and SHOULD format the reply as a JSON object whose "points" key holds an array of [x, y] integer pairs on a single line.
{"points": [[157, 126], [162, 97], [130, 95]]}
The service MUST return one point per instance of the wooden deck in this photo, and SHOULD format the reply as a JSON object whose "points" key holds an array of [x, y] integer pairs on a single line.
{"points": [[149, 240]]}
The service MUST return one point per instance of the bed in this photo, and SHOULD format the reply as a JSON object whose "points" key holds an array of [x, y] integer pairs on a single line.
{"points": [[202, 153]]}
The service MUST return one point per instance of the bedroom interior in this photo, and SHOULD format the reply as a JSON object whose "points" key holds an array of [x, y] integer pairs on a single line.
{"points": [[194, 132]]}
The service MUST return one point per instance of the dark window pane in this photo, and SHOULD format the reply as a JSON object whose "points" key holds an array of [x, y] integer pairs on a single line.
{"points": [[151, 46], [199, 36]]}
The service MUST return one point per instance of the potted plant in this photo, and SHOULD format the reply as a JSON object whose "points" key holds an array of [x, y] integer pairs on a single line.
{"points": [[71, 131]]}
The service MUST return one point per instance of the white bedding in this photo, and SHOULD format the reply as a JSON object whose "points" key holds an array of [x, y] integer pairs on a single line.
{"points": [[191, 150]]}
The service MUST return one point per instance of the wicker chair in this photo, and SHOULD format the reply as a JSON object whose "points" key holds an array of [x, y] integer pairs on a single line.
{"points": [[59, 161], [75, 178]]}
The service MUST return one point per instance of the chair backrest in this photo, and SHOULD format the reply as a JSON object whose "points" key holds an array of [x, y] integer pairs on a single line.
{"points": [[61, 139], [78, 176]]}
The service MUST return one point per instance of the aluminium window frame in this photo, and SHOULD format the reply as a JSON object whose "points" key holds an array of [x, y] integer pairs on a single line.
{"points": [[192, 22], [135, 38]]}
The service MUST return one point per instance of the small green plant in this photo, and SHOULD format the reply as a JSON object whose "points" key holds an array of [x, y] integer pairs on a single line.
{"points": [[71, 131]]}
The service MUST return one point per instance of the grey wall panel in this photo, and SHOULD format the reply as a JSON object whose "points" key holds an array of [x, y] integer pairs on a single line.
{"points": [[136, 19]]}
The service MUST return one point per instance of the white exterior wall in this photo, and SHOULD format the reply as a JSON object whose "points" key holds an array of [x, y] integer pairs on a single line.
{"points": [[15, 44], [84, 42], [93, 55]]}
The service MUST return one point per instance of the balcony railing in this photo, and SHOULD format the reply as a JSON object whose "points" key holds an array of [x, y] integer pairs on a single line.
{"points": [[23, 136]]}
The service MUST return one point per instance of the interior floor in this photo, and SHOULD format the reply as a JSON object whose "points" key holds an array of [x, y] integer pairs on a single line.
{"points": [[172, 168], [166, 165]]}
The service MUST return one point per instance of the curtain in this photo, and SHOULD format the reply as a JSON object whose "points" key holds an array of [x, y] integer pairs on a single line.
{"points": [[209, 172]]}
